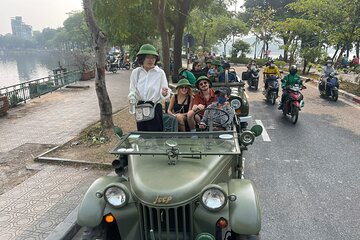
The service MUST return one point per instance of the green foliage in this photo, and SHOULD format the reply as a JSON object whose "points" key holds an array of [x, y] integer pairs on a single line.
{"points": [[280, 64], [240, 46], [241, 60]]}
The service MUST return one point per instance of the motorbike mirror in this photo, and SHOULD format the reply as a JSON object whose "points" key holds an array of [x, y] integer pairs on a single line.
{"points": [[257, 130]]}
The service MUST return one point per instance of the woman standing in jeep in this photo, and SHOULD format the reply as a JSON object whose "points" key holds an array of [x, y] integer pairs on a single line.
{"points": [[148, 84]]}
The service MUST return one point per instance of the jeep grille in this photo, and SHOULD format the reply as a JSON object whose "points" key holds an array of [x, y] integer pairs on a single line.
{"points": [[167, 223]]}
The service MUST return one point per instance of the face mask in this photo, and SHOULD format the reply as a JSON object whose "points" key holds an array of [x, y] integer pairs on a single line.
{"points": [[329, 64], [272, 65], [221, 99]]}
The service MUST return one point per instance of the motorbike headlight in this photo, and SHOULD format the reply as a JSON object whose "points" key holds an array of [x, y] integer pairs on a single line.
{"points": [[116, 196], [235, 103], [213, 198]]}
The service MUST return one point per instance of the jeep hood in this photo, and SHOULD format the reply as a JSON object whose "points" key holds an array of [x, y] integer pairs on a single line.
{"points": [[154, 182]]}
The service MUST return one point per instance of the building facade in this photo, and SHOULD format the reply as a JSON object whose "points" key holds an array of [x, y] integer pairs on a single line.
{"points": [[20, 29]]}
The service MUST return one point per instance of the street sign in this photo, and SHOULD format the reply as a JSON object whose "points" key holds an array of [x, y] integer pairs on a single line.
{"points": [[189, 40]]}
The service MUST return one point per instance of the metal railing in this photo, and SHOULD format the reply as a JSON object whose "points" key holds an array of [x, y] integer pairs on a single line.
{"points": [[35, 88]]}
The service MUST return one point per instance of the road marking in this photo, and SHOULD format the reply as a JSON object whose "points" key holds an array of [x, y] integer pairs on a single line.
{"points": [[264, 133]]}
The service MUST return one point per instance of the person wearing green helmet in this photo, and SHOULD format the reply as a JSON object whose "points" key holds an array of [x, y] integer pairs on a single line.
{"points": [[215, 71], [148, 84], [202, 99], [184, 73], [180, 103]]}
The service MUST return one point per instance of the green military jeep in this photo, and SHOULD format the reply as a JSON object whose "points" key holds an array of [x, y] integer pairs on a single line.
{"points": [[176, 185]]}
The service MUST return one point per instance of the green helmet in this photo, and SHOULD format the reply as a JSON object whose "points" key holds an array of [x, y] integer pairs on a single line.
{"points": [[201, 78], [147, 49]]}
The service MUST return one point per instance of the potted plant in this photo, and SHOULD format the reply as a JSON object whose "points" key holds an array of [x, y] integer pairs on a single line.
{"points": [[85, 61], [4, 105]]}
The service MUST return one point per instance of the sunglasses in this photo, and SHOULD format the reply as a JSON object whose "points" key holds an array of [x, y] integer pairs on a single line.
{"points": [[203, 83], [184, 87]]}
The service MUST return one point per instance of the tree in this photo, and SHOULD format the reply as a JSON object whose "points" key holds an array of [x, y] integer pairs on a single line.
{"points": [[227, 27], [99, 43], [240, 46], [263, 25]]}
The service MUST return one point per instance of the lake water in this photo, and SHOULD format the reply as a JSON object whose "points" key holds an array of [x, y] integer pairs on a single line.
{"points": [[17, 67]]}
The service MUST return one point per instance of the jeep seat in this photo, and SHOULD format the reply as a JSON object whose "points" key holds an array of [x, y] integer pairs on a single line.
{"points": [[170, 123]]}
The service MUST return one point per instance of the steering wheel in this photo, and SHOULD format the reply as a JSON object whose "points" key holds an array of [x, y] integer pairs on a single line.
{"points": [[215, 123]]}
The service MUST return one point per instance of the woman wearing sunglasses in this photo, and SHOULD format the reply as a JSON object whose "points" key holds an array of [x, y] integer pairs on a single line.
{"points": [[180, 103]]}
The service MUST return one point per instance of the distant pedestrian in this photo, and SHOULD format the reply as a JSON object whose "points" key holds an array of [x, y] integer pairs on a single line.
{"points": [[344, 61], [355, 61]]}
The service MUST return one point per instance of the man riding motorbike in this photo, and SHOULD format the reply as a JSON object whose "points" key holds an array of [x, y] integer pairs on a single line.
{"points": [[290, 79], [328, 68], [271, 70]]}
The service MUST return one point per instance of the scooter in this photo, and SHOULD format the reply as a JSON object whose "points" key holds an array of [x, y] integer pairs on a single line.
{"points": [[329, 86], [112, 66], [135, 64], [124, 64], [253, 80], [294, 102], [272, 91]]}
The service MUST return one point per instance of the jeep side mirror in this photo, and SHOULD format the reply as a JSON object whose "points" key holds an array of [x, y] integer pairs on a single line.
{"points": [[257, 130]]}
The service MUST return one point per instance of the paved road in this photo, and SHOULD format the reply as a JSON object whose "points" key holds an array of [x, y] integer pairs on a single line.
{"points": [[307, 174]]}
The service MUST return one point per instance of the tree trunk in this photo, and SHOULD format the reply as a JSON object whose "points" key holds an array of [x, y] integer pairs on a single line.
{"points": [[357, 51], [337, 63], [182, 14], [304, 68], [336, 51], [159, 12], [99, 43], [285, 40]]}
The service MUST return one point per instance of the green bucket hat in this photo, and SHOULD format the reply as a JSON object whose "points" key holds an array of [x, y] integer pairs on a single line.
{"points": [[147, 49], [183, 82], [216, 62], [181, 70], [201, 78]]}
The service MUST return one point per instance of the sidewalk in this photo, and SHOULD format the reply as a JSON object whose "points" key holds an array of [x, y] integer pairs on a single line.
{"points": [[39, 207]]}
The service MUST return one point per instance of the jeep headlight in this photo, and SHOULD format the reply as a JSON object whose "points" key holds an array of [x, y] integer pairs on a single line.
{"points": [[213, 198], [235, 103], [116, 196]]}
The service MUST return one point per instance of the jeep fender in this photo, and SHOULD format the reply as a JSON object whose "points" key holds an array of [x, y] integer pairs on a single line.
{"points": [[244, 212], [91, 209]]}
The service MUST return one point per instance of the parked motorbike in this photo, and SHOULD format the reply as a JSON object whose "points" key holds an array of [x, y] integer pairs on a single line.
{"points": [[294, 102], [272, 92], [124, 64], [112, 66], [329, 87], [135, 64]]}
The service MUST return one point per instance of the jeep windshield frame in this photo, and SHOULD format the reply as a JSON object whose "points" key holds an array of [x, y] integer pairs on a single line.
{"points": [[184, 143]]}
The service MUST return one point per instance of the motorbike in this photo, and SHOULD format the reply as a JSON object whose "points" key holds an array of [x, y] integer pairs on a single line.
{"points": [[253, 80], [135, 64], [329, 87], [294, 102], [112, 66], [272, 91], [124, 64]]}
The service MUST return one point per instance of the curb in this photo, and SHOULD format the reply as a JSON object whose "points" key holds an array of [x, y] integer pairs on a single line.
{"points": [[349, 96], [67, 229]]}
